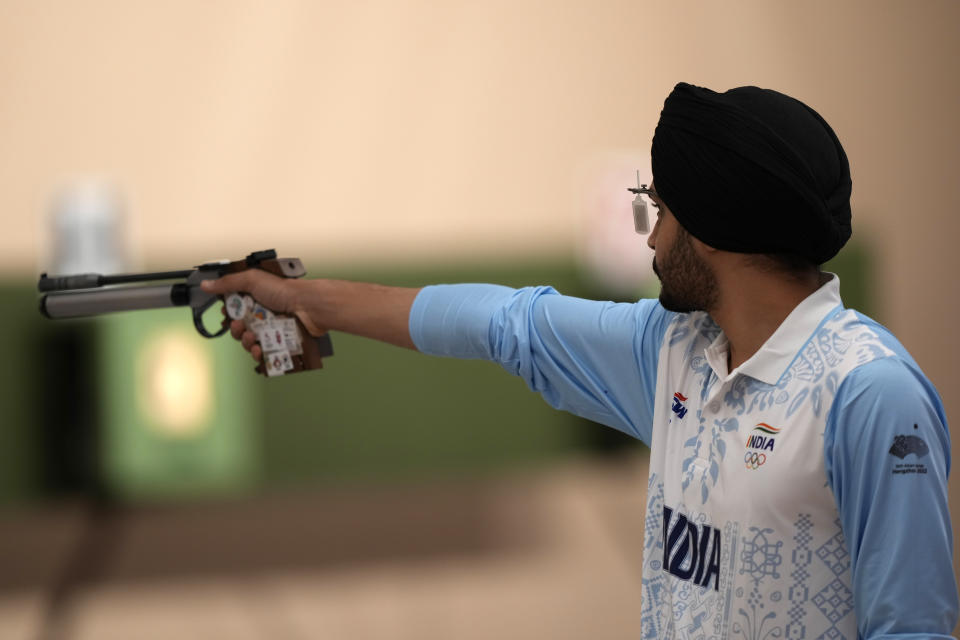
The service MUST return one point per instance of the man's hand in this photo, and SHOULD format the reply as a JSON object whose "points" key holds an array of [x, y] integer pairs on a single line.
{"points": [[275, 293]]}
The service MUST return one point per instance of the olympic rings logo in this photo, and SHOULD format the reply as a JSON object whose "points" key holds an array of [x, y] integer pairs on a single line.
{"points": [[754, 460]]}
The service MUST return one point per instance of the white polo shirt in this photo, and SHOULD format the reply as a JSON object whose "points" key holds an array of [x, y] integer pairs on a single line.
{"points": [[802, 495]]}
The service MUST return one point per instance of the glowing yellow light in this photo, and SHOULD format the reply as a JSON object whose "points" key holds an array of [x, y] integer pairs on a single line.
{"points": [[174, 383]]}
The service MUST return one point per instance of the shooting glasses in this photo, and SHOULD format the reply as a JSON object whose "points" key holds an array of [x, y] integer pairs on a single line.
{"points": [[641, 221]]}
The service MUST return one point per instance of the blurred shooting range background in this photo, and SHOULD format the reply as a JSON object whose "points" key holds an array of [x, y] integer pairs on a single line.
{"points": [[153, 487]]}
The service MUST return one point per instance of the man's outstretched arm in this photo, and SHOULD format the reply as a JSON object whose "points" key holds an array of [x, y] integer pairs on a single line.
{"points": [[594, 359]]}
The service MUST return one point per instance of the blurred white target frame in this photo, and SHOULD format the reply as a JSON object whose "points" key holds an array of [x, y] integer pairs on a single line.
{"points": [[88, 227], [609, 249]]}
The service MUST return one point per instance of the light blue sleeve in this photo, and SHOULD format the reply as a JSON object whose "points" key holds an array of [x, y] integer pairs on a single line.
{"points": [[887, 452], [597, 360]]}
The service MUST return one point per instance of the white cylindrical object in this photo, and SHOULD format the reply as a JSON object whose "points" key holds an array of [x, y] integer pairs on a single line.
{"points": [[88, 219]]}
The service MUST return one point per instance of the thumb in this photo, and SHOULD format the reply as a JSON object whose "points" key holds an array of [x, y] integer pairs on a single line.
{"points": [[227, 284]]}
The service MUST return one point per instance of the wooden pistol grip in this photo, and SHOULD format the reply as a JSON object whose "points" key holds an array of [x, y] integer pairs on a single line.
{"points": [[314, 350]]}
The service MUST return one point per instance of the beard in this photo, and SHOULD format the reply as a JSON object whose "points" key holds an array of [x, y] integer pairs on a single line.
{"points": [[687, 283]]}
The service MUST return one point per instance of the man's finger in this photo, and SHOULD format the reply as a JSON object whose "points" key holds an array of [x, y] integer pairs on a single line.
{"points": [[237, 327], [227, 284]]}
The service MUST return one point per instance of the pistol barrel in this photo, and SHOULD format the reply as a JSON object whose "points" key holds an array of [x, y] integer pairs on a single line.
{"points": [[75, 304]]}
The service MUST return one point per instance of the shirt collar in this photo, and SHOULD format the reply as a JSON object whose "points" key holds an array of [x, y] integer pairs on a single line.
{"points": [[778, 352]]}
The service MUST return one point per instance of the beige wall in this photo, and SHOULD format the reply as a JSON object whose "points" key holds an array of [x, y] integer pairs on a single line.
{"points": [[419, 129]]}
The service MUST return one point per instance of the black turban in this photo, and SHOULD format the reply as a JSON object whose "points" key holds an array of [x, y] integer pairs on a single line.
{"points": [[752, 171]]}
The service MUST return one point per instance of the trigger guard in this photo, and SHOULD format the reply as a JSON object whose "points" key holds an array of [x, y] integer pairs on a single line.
{"points": [[198, 321]]}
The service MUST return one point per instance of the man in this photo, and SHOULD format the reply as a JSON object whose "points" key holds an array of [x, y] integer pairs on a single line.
{"points": [[799, 457]]}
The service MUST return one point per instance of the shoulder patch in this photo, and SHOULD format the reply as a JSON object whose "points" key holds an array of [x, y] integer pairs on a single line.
{"points": [[904, 445]]}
